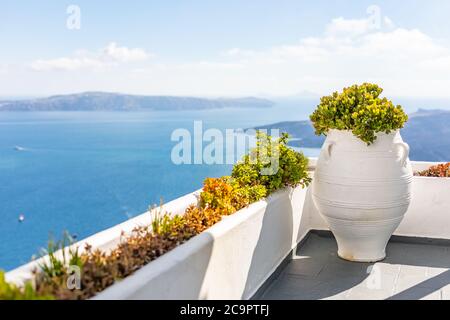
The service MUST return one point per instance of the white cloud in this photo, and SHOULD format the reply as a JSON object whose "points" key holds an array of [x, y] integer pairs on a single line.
{"points": [[3, 68], [388, 22], [234, 52], [124, 54], [348, 27], [355, 37], [67, 64], [406, 62], [111, 55], [351, 51], [211, 65], [438, 64]]}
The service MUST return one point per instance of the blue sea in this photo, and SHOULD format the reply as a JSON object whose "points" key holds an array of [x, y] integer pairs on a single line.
{"points": [[87, 171]]}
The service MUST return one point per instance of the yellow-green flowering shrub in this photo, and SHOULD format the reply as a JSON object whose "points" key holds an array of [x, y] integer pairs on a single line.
{"points": [[273, 165], [359, 109]]}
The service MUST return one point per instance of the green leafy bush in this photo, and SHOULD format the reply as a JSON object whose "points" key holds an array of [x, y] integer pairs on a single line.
{"points": [[10, 291], [272, 164], [359, 109]]}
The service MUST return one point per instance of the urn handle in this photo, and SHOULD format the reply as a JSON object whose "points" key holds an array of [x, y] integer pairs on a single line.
{"points": [[328, 150], [405, 153]]}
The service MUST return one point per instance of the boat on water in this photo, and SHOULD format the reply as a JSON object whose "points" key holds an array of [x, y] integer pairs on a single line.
{"points": [[19, 148]]}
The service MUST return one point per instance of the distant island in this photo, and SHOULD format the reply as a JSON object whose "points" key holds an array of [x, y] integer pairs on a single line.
{"points": [[427, 132], [103, 101]]}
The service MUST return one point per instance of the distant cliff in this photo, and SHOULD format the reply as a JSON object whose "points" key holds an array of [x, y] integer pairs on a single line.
{"points": [[427, 132], [101, 101]]}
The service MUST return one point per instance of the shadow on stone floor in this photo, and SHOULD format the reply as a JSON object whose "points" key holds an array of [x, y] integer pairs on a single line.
{"points": [[410, 271]]}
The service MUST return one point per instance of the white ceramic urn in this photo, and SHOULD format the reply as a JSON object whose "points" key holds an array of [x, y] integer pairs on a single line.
{"points": [[362, 191]]}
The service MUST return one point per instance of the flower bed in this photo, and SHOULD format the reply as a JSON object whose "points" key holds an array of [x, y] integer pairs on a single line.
{"points": [[219, 198]]}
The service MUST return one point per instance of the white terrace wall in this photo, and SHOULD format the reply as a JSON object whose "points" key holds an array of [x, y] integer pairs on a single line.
{"points": [[232, 259], [428, 215]]}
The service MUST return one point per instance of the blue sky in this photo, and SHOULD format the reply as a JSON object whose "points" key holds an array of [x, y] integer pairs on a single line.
{"points": [[225, 48]]}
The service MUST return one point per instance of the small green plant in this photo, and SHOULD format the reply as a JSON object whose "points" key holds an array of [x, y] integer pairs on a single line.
{"points": [[9, 291], [249, 194], [273, 165], [164, 224], [359, 109], [56, 266]]}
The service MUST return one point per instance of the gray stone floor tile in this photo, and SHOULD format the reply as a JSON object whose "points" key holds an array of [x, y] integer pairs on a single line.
{"points": [[431, 272], [305, 266], [419, 293], [295, 287], [410, 271], [445, 292]]}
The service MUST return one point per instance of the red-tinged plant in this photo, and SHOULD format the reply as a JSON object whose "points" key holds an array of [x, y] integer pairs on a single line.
{"points": [[218, 193], [228, 195], [440, 171]]}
